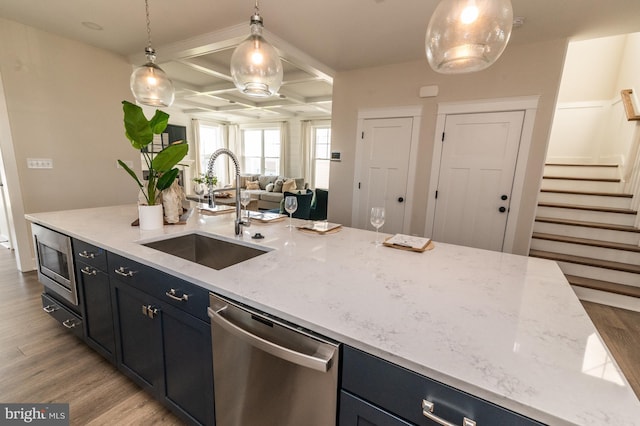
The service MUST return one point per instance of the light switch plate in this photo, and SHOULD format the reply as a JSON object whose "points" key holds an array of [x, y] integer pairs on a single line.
{"points": [[39, 163]]}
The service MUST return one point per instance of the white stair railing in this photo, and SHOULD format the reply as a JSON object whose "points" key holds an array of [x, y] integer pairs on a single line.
{"points": [[631, 168]]}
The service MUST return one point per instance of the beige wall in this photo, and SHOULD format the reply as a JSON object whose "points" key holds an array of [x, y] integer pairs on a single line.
{"points": [[533, 69], [591, 69], [63, 102]]}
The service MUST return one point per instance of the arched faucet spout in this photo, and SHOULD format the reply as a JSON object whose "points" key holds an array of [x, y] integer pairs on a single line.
{"points": [[239, 223]]}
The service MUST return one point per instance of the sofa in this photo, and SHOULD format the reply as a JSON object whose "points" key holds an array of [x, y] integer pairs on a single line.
{"points": [[269, 190]]}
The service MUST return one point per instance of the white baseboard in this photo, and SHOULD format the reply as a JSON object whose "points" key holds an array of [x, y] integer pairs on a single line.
{"points": [[606, 298]]}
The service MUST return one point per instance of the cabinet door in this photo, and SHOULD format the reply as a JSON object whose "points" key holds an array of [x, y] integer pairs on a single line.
{"points": [[98, 313], [139, 342], [356, 412], [188, 365]]}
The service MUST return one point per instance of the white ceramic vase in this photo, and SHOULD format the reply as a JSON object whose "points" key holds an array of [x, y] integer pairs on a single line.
{"points": [[150, 217]]}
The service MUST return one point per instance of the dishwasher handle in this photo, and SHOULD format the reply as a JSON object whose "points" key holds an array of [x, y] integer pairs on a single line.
{"points": [[304, 360]]}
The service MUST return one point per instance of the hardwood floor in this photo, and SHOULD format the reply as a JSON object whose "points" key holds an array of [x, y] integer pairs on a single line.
{"points": [[620, 330], [40, 362]]}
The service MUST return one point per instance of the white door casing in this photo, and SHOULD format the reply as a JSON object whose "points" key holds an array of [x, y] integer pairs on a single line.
{"points": [[478, 161], [385, 167], [529, 106]]}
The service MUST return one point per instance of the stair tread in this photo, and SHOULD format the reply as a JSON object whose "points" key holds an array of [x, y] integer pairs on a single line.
{"points": [[599, 225], [604, 194], [586, 179], [623, 289], [586, 242], [607, 264], [591, 208], [582, 164]]}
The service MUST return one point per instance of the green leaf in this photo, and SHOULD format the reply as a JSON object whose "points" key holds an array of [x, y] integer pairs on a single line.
{"points": [[136, 125], [169, 157], [133, 175], [159, 122], [167, 179]]}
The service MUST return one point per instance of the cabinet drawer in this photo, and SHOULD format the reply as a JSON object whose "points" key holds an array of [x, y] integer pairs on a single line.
{"points": [[401, 392], [90, 254], [63, 315], [167, 288], [356, 412]]}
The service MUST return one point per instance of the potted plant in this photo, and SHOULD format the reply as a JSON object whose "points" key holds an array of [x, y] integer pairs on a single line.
{"points": [[161, 165]]}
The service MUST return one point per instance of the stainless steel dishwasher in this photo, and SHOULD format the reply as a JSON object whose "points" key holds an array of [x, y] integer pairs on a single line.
{"points": [[269, 373]]}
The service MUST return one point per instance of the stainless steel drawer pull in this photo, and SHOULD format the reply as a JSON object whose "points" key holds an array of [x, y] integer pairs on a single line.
{"points": [[50, 308], [88, 271], [122, 271], [70, 323], [427, 411], [173, 295], [87, 254]]}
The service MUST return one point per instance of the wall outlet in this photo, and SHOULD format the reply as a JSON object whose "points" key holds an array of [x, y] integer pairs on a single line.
{"points": [[129, 164], [39, 163]]}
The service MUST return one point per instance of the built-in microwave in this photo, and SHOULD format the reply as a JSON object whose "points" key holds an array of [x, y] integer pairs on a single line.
{"points": [[54, 258]]}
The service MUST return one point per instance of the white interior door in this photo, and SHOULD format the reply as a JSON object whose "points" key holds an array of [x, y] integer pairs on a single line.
{"points": [[477, 167], [384, 167]]}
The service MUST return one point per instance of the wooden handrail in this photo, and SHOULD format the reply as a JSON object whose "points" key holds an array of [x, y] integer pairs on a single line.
{"points": [[628, 105]]}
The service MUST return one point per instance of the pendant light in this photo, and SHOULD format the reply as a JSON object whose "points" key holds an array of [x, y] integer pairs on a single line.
{"points": [[468, 35], [149, 84], [256, 67]]}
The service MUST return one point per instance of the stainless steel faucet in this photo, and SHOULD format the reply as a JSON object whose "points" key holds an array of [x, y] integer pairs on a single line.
{"points": [[239, 223]]}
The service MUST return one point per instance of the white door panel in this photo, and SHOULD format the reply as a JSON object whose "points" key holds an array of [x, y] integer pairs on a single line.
{"points": [[476, 171], [385, 149]]}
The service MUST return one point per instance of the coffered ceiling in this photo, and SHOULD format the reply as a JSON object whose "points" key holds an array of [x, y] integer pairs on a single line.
{"points": [[195, 38]]}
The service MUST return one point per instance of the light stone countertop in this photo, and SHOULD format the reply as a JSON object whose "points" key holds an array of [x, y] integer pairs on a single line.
{"points": [[505, 328]]}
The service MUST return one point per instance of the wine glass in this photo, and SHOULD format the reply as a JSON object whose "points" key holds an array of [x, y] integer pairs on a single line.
{"points": [[290, 205], [245, 199], [199, 188], [377, 220]]}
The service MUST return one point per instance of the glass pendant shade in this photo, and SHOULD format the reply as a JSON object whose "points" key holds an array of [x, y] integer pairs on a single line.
{"points": [[256, 67], [468, 35], [150, 85]]}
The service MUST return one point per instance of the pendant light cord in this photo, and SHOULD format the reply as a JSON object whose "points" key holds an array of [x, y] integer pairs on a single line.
{"points": [[146, 5]]}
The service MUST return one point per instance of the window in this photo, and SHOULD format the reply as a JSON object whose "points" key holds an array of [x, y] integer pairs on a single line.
{"points": [[210, 139], [261, 151], [321, 156]]}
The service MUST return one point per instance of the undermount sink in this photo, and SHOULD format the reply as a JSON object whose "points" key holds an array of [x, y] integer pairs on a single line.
{"points": [[205, 250]]}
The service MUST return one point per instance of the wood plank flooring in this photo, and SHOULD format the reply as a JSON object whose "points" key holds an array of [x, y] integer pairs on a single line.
{"points": [[40, 362], [620, 330]]}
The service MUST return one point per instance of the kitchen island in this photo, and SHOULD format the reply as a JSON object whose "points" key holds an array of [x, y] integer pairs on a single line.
{"points": [[505, 328]]}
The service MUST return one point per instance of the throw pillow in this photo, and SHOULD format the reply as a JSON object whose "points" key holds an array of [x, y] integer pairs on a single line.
{"points": [[269, 187], [265, 180], [277, 186], [289, 185], [253, 184]]}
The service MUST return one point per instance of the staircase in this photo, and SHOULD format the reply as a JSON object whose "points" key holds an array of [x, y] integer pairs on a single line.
{"points": [[585, 223]]}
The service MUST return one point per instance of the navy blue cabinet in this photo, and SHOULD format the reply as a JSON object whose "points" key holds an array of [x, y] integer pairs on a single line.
{"points": [[91, 266], [163, 343], [358, 412], [373, 387]]}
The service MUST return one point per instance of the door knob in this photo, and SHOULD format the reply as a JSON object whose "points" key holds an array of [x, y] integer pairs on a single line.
{"points": [[503, 197], [502, 209], [400, 199]]}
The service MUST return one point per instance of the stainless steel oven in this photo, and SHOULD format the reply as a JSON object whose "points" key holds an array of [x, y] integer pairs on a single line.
{"points": [[54, 258]]}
